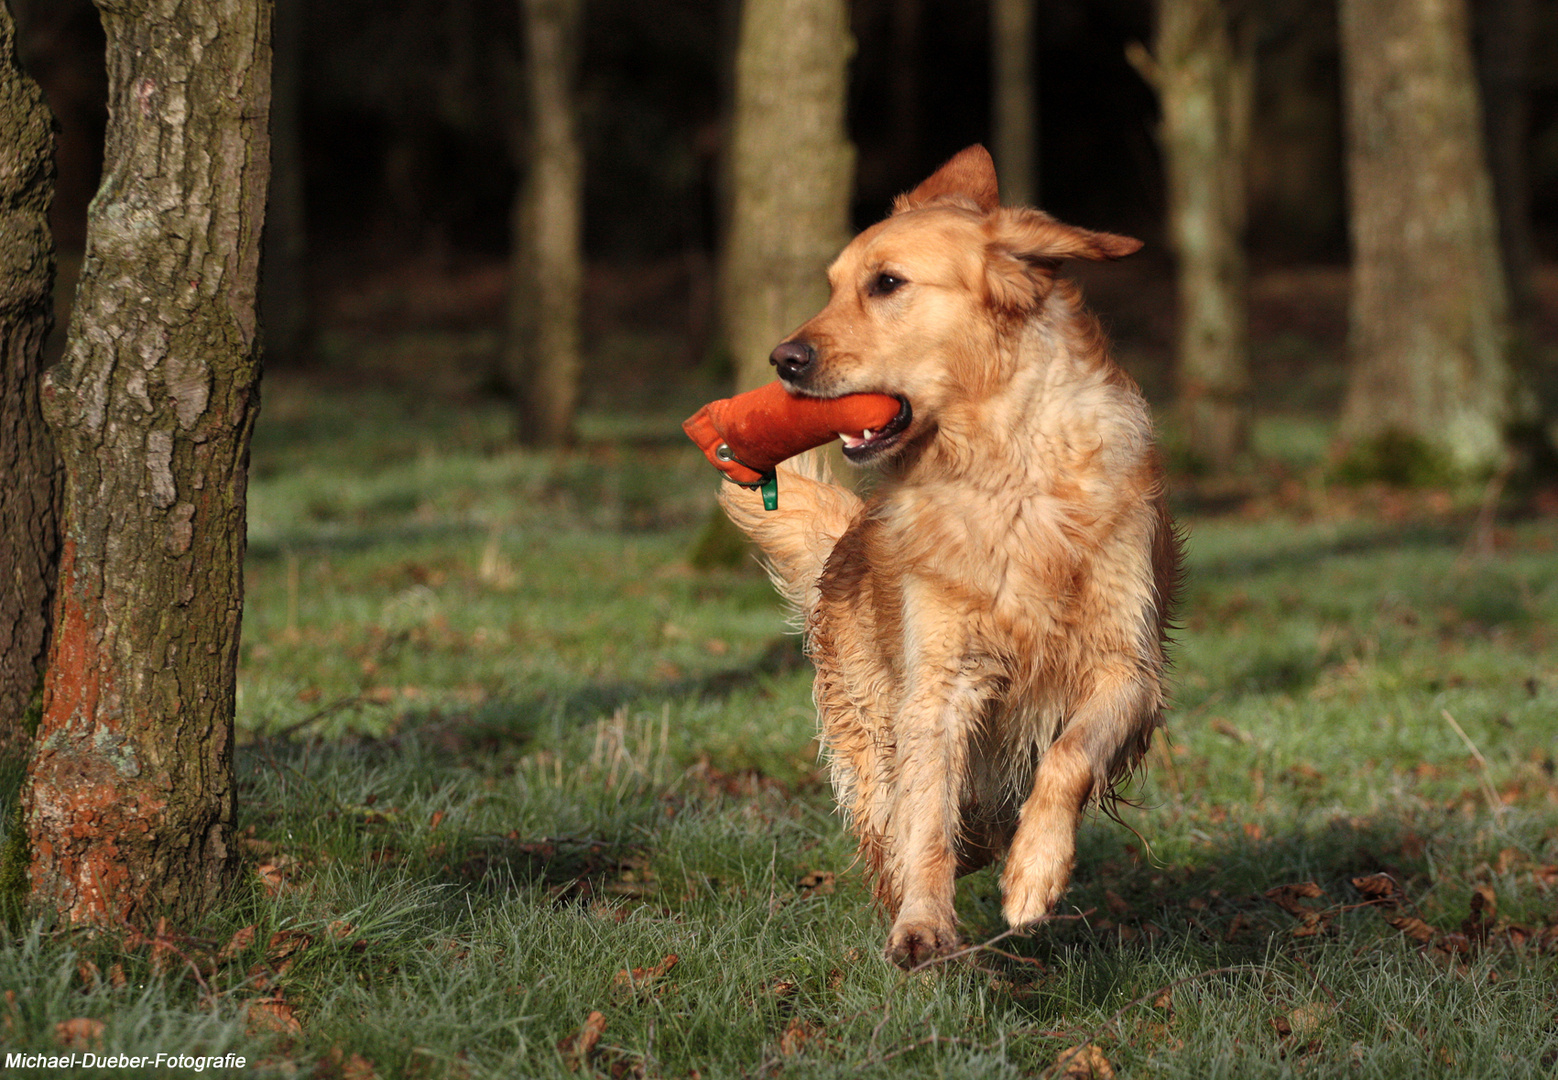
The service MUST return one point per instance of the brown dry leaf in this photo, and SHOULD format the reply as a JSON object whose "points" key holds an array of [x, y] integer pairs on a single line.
{"points": [[1081, 1063], [816, 883], [437, 819], [81, 1033], [1239, 925], [797, 1035], [1479, 920], [1305, 1020], [1117, 905], [340, 929], [271, 1015], [275, 873], [338, 1063], [284, 948], [1378, 887], [1412, 927], [576, 1049], [90, 974], [236, 944], [641, 977], [1312, 921], [116, 977]]}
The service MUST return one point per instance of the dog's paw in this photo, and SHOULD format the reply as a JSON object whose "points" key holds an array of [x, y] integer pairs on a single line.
{"points": [[1024, 907], [911, 944], [1028, 894]]}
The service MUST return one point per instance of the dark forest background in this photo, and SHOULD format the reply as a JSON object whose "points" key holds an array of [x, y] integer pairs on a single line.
{"points": [[409, 125]]}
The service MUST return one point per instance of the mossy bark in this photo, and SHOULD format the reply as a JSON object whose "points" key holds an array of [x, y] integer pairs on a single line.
{"points": [[792, 172], [1429, 331], [29, 473], [1204, 75], [129, 796]]}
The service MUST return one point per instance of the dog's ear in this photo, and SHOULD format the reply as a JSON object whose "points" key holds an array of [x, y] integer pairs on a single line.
{"points": [[1026, 246], [968, 178]]}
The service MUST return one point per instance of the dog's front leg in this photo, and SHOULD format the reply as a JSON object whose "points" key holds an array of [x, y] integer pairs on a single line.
{"points": [[932, 734], [1038, 864]]}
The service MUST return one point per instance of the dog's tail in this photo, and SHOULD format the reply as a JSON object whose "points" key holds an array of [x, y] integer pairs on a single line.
{"points": [[797, 538]]}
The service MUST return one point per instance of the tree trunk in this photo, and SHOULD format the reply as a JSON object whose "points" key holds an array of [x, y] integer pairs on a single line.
{"points": [[29, 481], [1429, 333], [1504, 35], [129, 802], [792, 171], [1204, 75], [546, 282], [1014, 118]]}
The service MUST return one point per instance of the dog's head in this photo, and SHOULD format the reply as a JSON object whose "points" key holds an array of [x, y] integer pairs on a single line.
{"points": [[925, 303]]}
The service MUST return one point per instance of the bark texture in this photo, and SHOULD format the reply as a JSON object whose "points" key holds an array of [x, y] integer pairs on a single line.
{"points": [[29, 481], [1204, 75], [546, 285], [1015, 117], [1429, 321], [129, 802], [792, 173]]}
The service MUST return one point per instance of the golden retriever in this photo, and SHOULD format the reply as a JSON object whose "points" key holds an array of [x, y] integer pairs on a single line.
{"points": [[988, 626]]}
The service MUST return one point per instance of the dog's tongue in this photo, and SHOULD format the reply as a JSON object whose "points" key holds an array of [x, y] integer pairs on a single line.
{"points": [[747, 435]]}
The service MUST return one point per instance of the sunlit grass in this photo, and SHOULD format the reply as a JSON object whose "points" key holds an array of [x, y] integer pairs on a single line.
{"points": [[502, 750]]}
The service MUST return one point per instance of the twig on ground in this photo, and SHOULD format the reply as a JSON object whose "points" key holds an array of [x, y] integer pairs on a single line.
{"points": [[1495, 804]]}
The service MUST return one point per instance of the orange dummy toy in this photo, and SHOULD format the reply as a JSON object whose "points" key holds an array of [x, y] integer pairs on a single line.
{"points": [[746, 436]]}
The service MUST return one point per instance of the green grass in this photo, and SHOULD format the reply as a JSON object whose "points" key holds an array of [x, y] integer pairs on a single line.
{"points": [[501, 747]]}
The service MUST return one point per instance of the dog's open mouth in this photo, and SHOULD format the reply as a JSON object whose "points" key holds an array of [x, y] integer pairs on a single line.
{"points": [[862, 446]]}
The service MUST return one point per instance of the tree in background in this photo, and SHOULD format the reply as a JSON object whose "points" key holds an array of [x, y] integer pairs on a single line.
{"points": [[129, 795], [1203, 71], [791, 174], [29, 482], [546, 283], [284, 292], [1014, 116], [1429, 329]]}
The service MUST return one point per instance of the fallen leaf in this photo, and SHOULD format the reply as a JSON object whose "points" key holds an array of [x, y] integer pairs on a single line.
{"points": [[797, 1035], [640, 977], [89, 973], [1306, 1019], [236, 944], [438, 817], [116, 977], [275, 873], [816, 883], [576, 1049], [1081, 1063], [1312, 921], [284, 949], [81, 1033], [1479, 920], [271, 1015], [1117, 905]]}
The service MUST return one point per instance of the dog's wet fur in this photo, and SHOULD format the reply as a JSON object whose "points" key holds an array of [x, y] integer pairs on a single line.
{"points": [[988, 626]]}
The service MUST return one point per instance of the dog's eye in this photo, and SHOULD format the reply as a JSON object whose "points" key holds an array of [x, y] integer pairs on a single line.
{"points": [[883, 284]]}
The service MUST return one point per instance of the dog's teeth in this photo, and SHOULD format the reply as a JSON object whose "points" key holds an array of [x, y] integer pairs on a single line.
{"points": [[866, 434]]}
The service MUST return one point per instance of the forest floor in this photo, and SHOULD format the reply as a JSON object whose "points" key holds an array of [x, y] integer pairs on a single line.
{"points": [[524, 794]]}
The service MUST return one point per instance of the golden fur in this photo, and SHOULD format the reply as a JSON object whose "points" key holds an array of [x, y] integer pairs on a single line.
{"points": [[988, 626]]}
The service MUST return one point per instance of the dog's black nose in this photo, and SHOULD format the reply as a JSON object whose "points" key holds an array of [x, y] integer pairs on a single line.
{"points": [[792, 358]]}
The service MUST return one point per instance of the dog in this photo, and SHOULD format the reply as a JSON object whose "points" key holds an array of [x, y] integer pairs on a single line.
{"points": [[989, 625]]}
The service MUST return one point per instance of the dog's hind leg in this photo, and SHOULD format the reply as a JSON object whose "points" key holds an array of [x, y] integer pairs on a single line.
{"points": [[1076, 766]]}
